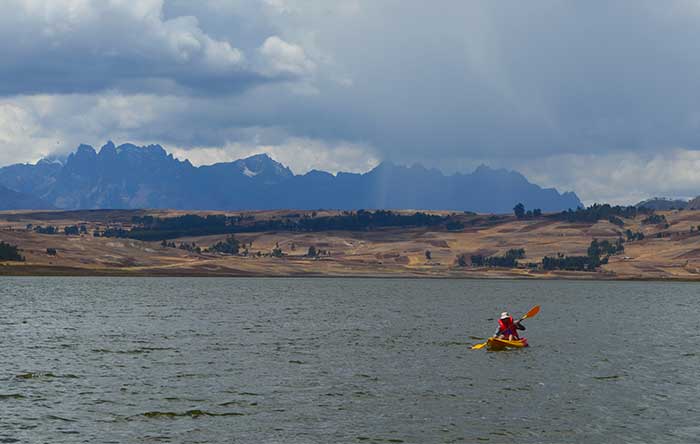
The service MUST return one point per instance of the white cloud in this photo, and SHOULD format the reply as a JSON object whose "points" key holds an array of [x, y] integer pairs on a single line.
{"points": [[22, 139], [282, 58], [68, 46], [620, 178]]}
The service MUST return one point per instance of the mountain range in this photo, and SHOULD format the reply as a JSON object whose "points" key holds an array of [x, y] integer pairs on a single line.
{"points": [[128, 176], [12, 200]]}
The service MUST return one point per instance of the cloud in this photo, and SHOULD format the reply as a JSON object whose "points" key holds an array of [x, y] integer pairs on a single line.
{"points": [[574, 93], [74, 46], [300, 154], [22, 137], [285, 59], [622, 177]]}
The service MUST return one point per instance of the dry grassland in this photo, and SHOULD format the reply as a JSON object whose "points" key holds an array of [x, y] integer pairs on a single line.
{"points": [[386, 253]]}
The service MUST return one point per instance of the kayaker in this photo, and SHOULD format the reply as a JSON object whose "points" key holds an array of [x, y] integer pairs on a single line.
{"points": [[508, 327]]}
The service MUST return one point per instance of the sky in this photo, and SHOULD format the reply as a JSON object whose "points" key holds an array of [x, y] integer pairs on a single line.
{"points": [[598, 97]]}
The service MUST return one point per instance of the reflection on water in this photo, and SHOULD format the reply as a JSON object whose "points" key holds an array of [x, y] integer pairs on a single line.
{"points": [[344, 360]]}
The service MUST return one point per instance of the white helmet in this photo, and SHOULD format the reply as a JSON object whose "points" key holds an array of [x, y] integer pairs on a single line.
{"points": [[505, 315]]}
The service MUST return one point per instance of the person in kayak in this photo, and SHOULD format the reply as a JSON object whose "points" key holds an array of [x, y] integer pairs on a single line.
{"points": [[508, 327]]}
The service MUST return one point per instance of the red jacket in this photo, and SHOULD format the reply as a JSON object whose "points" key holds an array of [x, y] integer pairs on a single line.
{"points": [[508, 326]]}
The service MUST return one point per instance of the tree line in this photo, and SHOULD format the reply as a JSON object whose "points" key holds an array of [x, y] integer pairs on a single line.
{"points": [[508, 260], [597, 212], [149, 228], [597, 254]]}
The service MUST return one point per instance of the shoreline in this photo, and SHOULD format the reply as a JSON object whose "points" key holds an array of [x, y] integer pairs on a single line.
{"points": [[62, 271]]}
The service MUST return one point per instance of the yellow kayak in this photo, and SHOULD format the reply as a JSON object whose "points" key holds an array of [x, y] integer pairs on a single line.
{"points": [[500, 344]]}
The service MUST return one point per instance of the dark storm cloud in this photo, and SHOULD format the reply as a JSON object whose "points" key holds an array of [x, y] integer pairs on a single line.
{"points": [[529, 79], [478, 79]]}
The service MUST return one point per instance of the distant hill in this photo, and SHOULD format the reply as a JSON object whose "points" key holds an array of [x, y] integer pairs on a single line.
{"points": [[12, 200], [128, 176], [694, 204], [663, 204]]}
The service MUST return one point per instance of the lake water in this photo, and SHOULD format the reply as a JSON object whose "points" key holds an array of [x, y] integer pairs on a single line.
{"points": [[97, 360]]}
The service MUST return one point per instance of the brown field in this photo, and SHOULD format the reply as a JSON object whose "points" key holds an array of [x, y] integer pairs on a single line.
{"points": [[385, 253]]}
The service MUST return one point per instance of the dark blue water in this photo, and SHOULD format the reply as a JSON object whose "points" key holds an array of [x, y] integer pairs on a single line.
{"points": [[94, 360]]}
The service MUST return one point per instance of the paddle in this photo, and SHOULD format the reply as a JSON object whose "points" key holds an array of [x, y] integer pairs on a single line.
{"points": [[530, 314]]}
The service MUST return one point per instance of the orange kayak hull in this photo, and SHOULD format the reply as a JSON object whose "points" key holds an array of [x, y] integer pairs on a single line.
{"points": [[501, 344]]}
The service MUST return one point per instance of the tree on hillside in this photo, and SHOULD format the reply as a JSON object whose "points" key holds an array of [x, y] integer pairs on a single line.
{"points": [[10, 253], [428, 255], [229, 246], [519, 210], [462, 260], [312, 252], [71, 230], [46, 230]]}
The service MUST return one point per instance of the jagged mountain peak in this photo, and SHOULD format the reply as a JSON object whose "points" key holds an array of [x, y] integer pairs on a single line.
{"points": [[130, 176], [264, 166], [83, 152], [52, 160], [108, 146], [131, 149]]}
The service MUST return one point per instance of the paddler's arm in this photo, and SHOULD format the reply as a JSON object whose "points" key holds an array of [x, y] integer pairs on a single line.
{"points": [[520, 326]]}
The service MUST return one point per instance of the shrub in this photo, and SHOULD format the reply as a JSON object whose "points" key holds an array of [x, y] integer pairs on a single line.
{"points": [[10, 253], [655, 219], [72, 230], [462, 260], [229, 246]]}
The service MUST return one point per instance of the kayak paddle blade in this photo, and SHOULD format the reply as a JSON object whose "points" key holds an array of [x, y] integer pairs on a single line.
{"points": [[479, 346], [533, 311]]}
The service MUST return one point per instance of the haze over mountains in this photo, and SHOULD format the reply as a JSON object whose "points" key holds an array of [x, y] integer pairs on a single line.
{"points": [[128, 176]]}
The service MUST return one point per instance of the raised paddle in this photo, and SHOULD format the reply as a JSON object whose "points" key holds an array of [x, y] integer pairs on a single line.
{"points": [[530, 314]]}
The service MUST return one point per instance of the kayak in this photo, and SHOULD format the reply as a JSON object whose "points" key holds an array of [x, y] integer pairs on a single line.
{"points": [[500, 344]]}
